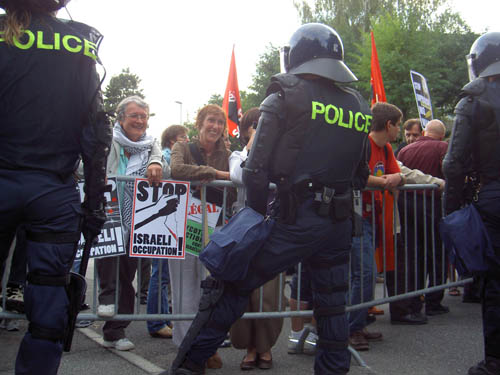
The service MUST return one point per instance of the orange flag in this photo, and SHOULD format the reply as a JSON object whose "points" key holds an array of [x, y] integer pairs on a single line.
{"points": [[231, 103], [378, 92]]}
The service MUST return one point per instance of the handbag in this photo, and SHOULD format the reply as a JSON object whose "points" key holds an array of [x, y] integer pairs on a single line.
{"points": [[231, 248], [466, 240]]}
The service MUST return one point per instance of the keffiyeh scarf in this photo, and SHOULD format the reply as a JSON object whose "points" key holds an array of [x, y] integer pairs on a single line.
{"points": [[138, 163]]}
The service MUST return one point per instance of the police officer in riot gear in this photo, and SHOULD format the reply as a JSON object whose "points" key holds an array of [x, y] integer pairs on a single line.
{"points": [[51, 115], [474, 152], [310, 141]]}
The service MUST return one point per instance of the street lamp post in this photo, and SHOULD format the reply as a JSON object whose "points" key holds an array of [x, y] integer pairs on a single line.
{"points": [[180, 106]]}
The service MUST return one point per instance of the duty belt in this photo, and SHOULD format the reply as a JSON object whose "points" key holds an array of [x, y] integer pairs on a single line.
{"points": [[306, 189]]}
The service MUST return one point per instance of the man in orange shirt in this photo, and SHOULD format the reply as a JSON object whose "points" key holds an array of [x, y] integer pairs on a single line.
{"points": [[384, 173]]}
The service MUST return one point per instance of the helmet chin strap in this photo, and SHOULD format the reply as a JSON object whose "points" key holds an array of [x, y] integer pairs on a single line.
{"points": [[67, 11], [64, 4]]}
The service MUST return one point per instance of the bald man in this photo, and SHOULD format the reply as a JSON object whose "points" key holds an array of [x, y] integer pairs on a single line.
{"points": [[425, 154]]}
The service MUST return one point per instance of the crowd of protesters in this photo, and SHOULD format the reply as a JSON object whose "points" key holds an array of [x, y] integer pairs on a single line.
{"points": [[163, 292], [409, 260]]}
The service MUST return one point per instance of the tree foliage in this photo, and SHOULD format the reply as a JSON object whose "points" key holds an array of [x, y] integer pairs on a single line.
{"points": [[421, 35], [121, 86], [267, 66]]}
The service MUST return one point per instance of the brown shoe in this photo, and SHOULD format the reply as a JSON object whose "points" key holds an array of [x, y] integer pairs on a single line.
{"points": [[265, 364], [372, 336], [214, 361], [247, 365], [164, 333], [358, 341]]}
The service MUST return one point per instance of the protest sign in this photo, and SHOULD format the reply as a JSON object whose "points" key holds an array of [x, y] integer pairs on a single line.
{"points": [[194, 224], [159, 219], [423, 97], [110, 241]]}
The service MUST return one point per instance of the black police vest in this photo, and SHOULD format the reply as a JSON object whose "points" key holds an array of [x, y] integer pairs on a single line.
{"points": [[486, 123], [325, 130], [48, 81]]}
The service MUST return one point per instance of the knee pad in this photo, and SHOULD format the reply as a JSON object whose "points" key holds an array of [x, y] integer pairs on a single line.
{"points": [[326, 312], [37, 331]]}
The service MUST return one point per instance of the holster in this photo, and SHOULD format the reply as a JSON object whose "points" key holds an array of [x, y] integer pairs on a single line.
{"points": [[76, 295], [329, 203], [341, 207]]}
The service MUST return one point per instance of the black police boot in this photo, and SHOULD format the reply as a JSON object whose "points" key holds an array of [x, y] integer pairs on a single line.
{"points": [[491, 366]]}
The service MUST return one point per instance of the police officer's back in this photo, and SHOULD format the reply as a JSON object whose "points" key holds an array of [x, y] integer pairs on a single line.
{"points": [[309, 141], [474, 154], [50, 115]]}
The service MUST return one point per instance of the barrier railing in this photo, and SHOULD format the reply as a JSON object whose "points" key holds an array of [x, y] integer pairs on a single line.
{"points": [[413, 199]]}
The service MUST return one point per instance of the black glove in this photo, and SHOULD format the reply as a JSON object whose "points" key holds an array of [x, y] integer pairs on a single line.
{"points": [[93, 221]]}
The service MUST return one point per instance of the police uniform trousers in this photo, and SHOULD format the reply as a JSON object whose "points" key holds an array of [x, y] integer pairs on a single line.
{"points": [[45, 203], [488, 206], [323, 247]]}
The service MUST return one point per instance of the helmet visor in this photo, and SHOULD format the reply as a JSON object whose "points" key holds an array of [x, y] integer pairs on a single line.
{"points": [[284, 62], [470, 65], [491, 70]]}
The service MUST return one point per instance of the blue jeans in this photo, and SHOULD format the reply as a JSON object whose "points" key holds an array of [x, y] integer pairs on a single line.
{"points": [[153, 306], [362, 263]]}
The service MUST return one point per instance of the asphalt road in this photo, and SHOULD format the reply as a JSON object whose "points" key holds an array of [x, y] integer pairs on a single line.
{"points": [[449, 344]]}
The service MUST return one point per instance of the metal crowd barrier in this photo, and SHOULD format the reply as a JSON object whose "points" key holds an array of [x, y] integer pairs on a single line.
{"points": [[409, 196]]}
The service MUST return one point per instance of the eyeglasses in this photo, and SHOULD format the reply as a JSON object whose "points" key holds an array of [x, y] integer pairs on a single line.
{"points": [[137, 116]]}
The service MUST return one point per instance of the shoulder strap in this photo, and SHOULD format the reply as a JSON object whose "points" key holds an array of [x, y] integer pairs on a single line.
{"points": [[195, 152], [386, 151]]}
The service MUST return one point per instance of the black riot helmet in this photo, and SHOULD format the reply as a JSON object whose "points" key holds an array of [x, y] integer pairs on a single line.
{"points": [[316, 49], [484, 57], [36, 6]]}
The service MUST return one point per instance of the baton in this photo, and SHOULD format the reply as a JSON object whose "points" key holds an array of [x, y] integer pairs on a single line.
{"points": [[80, 281], [85, 254]]}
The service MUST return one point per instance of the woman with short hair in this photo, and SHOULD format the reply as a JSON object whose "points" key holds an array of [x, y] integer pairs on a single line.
{"points": [[211, 123]]}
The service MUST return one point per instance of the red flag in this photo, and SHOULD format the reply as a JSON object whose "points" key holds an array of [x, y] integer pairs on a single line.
{"points": [[231, 103], [378, 92]]}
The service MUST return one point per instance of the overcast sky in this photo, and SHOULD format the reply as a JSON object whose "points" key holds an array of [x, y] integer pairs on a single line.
{"points": [[181, 49]]}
